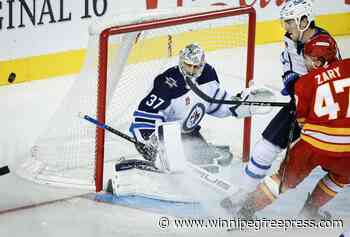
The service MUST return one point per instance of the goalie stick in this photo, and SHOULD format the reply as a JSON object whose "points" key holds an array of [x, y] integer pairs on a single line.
{"points": [[142, 147], [212, 100], [203, 175], [110, 129]]}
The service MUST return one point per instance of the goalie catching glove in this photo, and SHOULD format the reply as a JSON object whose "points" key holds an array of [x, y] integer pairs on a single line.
{"points": [[255, 94]]}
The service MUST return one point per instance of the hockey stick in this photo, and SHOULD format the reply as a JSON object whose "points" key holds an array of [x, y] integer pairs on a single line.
{"points": [[209, 99], [286, 158], [4, 170], [203, 175], [110, 129], [143, 148]]}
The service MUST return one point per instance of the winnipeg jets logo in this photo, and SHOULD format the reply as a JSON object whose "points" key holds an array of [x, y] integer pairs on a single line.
{"points": [[194, 117], [170, 82]]}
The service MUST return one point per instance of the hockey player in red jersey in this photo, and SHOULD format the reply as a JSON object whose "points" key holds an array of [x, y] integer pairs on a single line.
{"points": [[298, 21], [323, 110]]}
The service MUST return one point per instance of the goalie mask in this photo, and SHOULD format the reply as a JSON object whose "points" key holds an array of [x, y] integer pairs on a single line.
{"points": [[191, 61], [296, 10], [320, 51]]}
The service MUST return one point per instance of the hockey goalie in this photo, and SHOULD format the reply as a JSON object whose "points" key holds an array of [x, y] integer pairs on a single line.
{"points": [[171, 104]]}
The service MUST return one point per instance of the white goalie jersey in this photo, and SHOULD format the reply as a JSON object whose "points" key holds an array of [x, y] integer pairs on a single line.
{"points": [[171, 100]]}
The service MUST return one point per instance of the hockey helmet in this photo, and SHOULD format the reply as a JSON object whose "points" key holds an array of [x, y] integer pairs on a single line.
{"points": [[322, 47], [296, 10], [192, 61]]}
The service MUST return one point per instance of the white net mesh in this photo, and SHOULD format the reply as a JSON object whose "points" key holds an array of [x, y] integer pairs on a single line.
{"points": [[65, 153]]}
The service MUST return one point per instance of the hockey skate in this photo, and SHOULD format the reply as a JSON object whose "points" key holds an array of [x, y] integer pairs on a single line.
{"points": [[222, 157], [205, 155], [313, 213], [223, 154], [247, 211], [239, 204], [241, 208]]}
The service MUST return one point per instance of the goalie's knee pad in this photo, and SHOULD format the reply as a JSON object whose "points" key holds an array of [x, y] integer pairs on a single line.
{"points": [[264, 154]]}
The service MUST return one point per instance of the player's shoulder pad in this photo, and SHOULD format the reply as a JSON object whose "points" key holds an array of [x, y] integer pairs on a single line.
{"points": [[208, 75]]}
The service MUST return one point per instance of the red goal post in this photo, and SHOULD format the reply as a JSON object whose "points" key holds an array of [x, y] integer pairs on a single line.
{"points": [[153, 24]]}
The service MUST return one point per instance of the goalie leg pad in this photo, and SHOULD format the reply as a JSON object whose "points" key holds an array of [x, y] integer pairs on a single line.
{"points": [[137, 164], [142, 178], [113, 185], [171, 156]]}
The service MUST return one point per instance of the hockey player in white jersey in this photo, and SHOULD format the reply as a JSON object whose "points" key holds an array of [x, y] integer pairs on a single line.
{"points": [[171, 99], [297, 19]]}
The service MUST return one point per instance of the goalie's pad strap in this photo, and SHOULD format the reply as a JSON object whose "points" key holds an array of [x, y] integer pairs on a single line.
{"points": [[136, 164]]}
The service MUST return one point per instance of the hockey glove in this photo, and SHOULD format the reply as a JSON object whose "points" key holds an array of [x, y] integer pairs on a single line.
{"points": [[289, 78]]}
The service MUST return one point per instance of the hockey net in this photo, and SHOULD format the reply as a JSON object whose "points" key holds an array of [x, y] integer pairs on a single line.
{"points": [[124, 55]]}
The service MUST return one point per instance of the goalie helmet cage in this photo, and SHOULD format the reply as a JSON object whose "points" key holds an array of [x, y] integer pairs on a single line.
{"points": [[124, 55]]}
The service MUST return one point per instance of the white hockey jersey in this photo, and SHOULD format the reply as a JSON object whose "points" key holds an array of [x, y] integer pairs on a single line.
{"points": [[171, 100], [292, 58]]}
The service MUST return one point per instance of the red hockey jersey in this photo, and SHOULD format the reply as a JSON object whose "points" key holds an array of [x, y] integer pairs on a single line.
{"points": [[323, 107]]}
